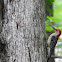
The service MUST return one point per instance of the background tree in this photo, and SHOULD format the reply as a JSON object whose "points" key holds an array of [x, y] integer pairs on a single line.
{"points": [[24, 31]]}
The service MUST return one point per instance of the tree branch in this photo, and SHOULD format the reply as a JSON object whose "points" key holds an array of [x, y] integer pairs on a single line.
{"points": [[56, 56]]}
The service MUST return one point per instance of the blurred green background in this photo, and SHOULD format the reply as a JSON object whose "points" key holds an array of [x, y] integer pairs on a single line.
{"points": [[56, 19]]}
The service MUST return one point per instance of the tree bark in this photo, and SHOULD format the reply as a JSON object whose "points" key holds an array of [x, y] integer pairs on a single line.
{"points": [[24, 31]]}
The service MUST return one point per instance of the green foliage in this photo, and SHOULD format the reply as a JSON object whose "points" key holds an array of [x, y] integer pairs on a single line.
{"points": [[49, 2], [52, 21], [56, 19]]}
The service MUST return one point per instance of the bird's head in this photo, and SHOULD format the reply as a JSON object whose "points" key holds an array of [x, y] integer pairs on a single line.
{"points": [[57, 32]]}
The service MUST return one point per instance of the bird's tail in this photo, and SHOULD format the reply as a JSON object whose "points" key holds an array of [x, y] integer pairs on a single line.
{"points": [[48, 55]]}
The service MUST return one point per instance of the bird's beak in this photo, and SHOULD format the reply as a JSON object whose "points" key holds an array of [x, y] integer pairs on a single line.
{"points": [[53, 27]]}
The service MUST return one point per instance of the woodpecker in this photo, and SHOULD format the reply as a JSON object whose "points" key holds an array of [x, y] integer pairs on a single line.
{"points": [[52, 41]]}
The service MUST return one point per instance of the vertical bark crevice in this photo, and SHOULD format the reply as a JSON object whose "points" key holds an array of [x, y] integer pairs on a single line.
{"points": [[3, 48], [2, 9], [29, 54], [3, 42], [1, 14]]}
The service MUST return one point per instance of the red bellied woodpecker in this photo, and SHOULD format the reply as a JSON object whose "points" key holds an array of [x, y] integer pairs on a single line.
{"points": [[52, 40]]}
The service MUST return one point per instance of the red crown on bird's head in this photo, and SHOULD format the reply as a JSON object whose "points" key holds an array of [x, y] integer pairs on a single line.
{"points": [[56, 29], [59, 32]]}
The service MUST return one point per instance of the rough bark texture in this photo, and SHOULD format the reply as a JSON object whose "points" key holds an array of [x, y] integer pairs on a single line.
{"points": [[24, 31], [1, 14]]}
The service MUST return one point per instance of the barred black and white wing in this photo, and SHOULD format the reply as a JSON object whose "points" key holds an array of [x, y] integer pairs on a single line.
{"points": [[53, 44]]}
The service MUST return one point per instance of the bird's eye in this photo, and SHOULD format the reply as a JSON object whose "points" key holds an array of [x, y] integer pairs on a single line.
{"points": [[56, 30]]}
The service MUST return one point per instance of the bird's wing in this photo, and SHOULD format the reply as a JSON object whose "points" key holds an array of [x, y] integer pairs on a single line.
{"points": [[53, 44]]}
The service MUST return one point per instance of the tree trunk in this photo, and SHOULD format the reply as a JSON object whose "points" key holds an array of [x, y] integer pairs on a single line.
{"points": [[24, 31]]}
